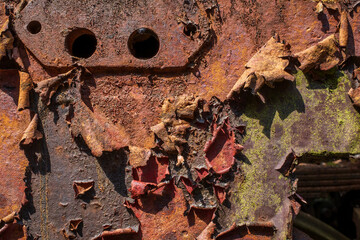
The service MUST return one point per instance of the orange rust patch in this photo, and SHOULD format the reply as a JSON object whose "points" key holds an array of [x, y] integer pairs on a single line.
{"points": [[12, 159]]}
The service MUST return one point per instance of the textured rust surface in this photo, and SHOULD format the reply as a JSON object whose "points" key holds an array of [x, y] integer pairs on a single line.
{"points": [[13, 160], [199, 142], [112, 23]]}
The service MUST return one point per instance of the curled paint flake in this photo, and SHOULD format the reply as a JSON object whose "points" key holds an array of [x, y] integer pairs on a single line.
{"points": [[344, 29], [220, 150], [319, 7], [138, 156], [149, 177], [220, 193], [31, 133], [207, 232], [6, 40], [8, 219], [295, 205], [140, 188], [241, 128], [188, 185], [267, 66], [67, 234], [202, 173], [185, 106], [180, 160], [154, 171], [356, 74], [286, 165], [324, 55], [162, 135], [116, 233], [82, 187], [24, 91], [354, 95], [99, 134], [74, 224], [48, 87]]}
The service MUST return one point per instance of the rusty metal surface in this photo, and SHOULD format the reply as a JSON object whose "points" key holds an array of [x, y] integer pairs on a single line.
{"points": [[126, 148], [113, 23], [13, 159]]}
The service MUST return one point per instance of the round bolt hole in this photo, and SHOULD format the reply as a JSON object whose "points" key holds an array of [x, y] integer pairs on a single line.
{"points": [[34, 27], [190, 29], [81, 43], [143, 43]]}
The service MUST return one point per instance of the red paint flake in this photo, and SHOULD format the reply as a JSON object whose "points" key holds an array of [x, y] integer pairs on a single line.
{"points": [[221, 149], [148, 178], [206, 214], [164, 209], [154, 171], [202, 173], [188, 185], [220, 193], [141, 188]]}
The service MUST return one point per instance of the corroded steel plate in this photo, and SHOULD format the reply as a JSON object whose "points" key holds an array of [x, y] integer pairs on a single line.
{"points": [[112, 23]]}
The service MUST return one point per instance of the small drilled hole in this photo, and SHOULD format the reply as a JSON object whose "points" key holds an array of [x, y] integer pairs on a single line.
{"points": [[190, 29], [81, 43], [34, 27], [143, 43]]}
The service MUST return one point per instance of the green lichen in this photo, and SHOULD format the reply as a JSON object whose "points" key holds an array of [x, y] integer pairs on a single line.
{"points": [[315, 119]]}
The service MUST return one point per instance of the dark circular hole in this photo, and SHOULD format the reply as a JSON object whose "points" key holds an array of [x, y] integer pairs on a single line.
{"points": [[84, 46], [34, 27], [143, 43], [81, 43], [190, 29]]}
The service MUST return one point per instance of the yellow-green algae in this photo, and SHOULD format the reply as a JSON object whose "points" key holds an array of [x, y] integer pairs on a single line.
{"points": [[313, 118]]}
